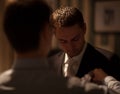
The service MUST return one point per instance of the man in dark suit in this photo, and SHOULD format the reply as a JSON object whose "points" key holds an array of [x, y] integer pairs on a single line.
{"points": [[78, 57]]}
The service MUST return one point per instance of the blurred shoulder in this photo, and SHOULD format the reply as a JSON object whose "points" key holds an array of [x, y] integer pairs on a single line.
{"points": [[110, 55]]}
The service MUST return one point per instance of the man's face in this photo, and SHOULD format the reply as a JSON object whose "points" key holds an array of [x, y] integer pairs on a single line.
{"points": [[71, 39]]}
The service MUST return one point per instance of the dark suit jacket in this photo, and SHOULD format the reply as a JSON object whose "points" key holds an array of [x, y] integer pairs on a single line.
{"points": [[92, 58]]}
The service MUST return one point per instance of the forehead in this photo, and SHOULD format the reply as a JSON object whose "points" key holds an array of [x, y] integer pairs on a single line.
{"points": [[68, 32]]}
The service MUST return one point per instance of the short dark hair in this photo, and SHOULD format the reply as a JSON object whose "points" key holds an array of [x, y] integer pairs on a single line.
{"points": [[23, 23], [66, 16]]}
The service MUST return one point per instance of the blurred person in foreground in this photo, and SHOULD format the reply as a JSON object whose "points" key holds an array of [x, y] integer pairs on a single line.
{"points": [[28, 32], [77, 57], [26, 25]]}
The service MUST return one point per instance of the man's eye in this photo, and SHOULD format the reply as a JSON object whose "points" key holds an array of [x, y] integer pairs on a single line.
{"points": [[76, 39], [62, 41]]}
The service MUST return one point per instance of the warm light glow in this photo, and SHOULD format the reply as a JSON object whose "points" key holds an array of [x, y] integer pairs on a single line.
{"points": [[9, 1]]}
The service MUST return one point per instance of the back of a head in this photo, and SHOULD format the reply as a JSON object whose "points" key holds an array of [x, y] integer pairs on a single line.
{"points": [[23, 23], [66, 16]]}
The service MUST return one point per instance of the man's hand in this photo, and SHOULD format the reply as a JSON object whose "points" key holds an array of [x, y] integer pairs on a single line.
{"points": [[99, 76]]}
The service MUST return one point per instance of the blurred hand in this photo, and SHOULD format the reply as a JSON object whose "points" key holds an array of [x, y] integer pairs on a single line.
{"points": [[99, 76]]}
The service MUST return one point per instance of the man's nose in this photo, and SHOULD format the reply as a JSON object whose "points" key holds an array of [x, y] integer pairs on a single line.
{"points": [[70, 46]]}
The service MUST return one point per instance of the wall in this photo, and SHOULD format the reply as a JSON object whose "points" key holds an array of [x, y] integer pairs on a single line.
{"points": [[107, 39]]}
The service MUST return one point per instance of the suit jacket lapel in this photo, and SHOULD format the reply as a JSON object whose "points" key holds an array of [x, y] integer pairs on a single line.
{"points": [[85, 64], [91, 59]]}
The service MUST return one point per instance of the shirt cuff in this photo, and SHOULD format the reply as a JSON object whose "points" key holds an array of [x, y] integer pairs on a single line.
{"points": [[107, 79]]}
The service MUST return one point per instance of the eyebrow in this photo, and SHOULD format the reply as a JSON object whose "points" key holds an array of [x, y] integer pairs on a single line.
{"points": [[77, 36], [61, 39]]}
